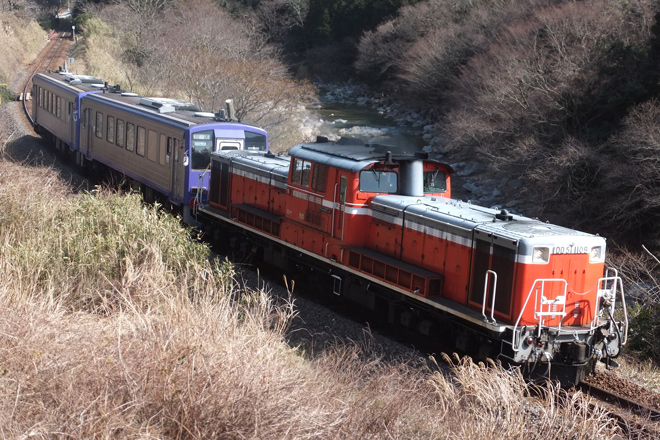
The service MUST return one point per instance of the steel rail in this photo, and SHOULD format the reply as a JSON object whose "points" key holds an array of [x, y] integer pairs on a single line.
{"points": [[52, 52]]}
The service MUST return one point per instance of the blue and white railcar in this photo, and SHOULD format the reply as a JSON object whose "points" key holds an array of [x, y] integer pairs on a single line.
{"points": [[56, 100], [163, 144]]}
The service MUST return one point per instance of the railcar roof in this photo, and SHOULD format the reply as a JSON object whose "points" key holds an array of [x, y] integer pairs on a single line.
{"points": [[78, 83], [178, 111], [182, 112]]}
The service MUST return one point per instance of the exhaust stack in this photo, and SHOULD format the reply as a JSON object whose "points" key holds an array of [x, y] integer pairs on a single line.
{"points": [[231, 113]]}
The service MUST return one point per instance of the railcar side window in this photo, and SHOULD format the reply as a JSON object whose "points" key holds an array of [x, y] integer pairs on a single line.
{"points": [[378, 181], [152, 145], [435, 181], [141, 140], [110, 136], [58, 106], [99, 125], [130, 136], [301, 172], [41, 97], [178, 145], [201, 146], [120, 133]]}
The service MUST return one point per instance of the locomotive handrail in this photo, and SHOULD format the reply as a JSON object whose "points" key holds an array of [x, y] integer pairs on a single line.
{"points": [[199, 194], [334, 207], [608, 295], [536, 287], [483, 304]]}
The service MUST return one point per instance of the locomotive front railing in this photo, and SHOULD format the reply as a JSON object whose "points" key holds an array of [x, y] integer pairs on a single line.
{"points": [[539, 288], [608, 288]]}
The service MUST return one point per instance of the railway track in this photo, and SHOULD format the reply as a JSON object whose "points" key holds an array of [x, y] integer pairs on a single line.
{"points": [[51, 57], [635, 409]]}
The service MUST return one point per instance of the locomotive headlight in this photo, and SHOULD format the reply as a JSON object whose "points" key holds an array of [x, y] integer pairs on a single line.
{"points": [[595, 255], [540, 255]]}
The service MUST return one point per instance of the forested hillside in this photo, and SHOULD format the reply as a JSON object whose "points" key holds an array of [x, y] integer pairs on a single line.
{"points": [[195, 51], [558, 93]]}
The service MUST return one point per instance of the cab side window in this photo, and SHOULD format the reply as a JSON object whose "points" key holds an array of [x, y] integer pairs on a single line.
{"points": [[301, 172]]}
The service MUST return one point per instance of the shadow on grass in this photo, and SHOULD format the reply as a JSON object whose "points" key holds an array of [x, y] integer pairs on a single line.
{"points": [[33, 151]]}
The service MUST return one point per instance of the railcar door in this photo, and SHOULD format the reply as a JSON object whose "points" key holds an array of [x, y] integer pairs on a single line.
{"points": [[498, 255], [179, 164], [85, 136]]}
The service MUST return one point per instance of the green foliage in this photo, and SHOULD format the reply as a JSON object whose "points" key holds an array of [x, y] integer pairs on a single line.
{"points": [[5, 94], [47, 22], [79, 250], [88, 24], [81, 22], [645, 332], [334, 20]]}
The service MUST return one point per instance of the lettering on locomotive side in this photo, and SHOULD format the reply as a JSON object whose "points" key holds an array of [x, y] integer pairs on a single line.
{"points": [[571, 249]]}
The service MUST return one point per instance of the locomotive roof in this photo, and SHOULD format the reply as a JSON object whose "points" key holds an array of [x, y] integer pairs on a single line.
{"points": [[353, 154], [269, 162], [469, 216]]}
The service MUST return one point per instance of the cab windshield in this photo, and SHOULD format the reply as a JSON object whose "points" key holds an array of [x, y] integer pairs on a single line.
{"points": [[201, 147], [378, 181], [435, 181], [255, 141]]}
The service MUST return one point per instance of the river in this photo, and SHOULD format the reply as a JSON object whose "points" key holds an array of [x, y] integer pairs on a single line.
{"points": [[346, 111]]}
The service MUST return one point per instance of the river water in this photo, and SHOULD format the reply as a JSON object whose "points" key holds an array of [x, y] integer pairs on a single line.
{"points": [[340, 115]]}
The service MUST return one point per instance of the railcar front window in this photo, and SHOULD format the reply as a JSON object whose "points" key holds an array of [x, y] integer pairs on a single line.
{"points": [[435, 181], [201, 148], [255, 141], [378, 181]]}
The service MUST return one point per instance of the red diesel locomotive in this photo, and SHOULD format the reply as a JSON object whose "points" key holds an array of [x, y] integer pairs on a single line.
{"points": [[377, 226]]}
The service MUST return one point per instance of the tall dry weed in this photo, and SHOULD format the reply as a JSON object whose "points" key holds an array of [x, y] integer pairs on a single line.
{"points": [[493, 403]]}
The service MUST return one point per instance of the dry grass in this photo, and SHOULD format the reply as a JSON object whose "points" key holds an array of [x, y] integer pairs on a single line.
{"points": [[102, 53], [644, 373]]}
